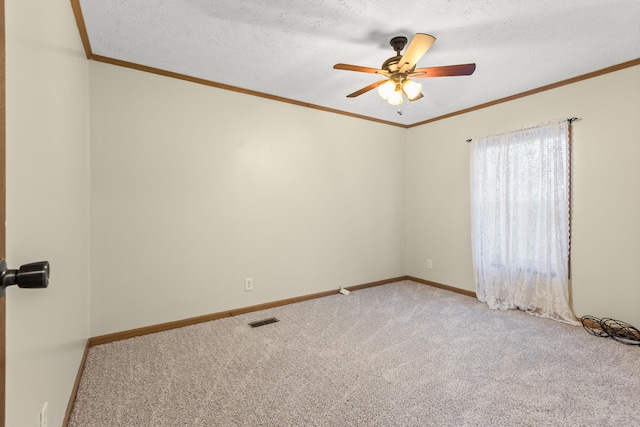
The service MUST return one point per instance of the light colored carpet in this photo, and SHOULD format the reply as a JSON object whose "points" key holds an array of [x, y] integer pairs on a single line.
{"points": [[403, 354]]}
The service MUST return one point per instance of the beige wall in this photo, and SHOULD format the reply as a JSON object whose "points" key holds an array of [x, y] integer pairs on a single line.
{"points": [[606, 200], [47, 206], [195, 188]]}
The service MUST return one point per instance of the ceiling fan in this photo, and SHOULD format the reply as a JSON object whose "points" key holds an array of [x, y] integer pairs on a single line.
{"points": [[400, 69]]}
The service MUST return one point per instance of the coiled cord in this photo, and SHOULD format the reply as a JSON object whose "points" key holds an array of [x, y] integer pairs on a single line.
{"points": [[611, 328]]}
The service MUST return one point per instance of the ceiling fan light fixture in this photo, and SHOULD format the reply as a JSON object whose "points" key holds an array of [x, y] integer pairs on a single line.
{"points": [[400, 67], [411, 89], [386, 89]]}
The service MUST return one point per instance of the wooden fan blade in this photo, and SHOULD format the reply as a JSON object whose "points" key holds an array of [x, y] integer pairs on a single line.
{"points": [[360, 69], [445, 71], [366, 89], [417, 47]]}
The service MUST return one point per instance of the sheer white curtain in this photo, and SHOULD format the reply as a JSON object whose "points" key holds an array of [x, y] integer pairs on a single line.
{"points": [[520, 220]]}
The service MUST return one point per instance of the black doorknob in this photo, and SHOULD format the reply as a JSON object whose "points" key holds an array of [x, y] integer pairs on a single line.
{"points": [[31, 276]]}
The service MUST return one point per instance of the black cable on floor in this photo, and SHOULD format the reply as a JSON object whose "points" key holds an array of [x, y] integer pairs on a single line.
{"points": [[611, 328]]}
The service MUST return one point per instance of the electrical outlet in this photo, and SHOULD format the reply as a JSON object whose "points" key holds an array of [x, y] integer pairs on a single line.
{"points": [[429, 264], [44, 415], [248, 284]]}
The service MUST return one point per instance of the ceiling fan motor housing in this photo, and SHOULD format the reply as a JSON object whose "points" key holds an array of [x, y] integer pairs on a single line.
{"points": [[397, 43]]}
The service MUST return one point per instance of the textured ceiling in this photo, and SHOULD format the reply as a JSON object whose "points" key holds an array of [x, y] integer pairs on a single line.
{"points": [[288, 49]]}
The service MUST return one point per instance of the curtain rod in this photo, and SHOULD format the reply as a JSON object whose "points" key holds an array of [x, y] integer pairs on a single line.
{"points": [[570, 120]]}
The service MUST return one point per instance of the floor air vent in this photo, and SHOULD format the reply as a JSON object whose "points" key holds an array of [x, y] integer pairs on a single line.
{"points": [[263, 322]]}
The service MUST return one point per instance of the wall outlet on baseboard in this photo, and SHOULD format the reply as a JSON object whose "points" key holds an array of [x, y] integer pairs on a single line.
{"points": [[429, 264], [44, 415], [248, 284]]}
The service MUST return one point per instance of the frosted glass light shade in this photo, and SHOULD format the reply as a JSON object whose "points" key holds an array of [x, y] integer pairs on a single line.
{"points": [[395, 98], [411, 89], [386, 89]]}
